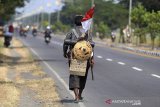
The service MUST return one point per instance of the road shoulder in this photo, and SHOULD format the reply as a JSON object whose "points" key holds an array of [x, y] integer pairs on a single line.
{"points": [[24, 81]]}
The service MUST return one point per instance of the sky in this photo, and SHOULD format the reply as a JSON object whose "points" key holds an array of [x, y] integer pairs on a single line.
{"points": [[43, 5], [37, 6]]}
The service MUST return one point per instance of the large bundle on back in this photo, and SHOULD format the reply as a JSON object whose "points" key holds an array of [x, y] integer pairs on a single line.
{"points": [[80, 54]]}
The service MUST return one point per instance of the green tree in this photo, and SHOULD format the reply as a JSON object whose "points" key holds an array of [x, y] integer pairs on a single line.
{"points": [[7, 8], [139, 23], [153, 25], [112, 15], [60, 27], [148, 4], [103, 30]]}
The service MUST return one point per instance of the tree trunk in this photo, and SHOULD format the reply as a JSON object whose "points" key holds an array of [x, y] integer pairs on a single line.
{"points": [[120, 36], [152, 39], [123, 39], [136, 40], [159, 42], [142, 39]]}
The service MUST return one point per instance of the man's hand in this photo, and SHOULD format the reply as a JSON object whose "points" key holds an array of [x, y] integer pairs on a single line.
{"points": [[92, 61], [65, 55]]}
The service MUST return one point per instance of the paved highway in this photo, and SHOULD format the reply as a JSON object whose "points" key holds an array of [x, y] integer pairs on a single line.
{"points": [[121, 79]]}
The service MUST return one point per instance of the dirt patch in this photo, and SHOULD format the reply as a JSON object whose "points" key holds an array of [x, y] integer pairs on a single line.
{"points": [[9, 95], [22, 81], [3, 74], [21, 49], [45, 91]]}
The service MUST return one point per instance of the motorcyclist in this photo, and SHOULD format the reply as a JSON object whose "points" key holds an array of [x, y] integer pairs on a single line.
{"points": [[9, 30], [34, 31], [47, 34]]}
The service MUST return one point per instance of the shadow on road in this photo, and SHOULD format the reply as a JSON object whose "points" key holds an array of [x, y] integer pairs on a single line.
{"points": [[67, 101], [13, 47], [48, 60]]}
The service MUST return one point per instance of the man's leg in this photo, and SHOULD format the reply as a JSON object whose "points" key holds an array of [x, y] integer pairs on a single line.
{"points": [[80, 94], [76, 92]]}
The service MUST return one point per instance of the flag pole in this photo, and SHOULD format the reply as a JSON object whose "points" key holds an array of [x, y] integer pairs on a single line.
{"points": [[92, 36], [92, 4]]}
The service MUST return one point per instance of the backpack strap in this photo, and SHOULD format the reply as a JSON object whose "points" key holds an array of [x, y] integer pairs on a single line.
{"points": [[76, 34]]}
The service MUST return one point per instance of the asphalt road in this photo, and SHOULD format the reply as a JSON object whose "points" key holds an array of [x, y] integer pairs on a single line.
{"points": [[121, 79]]}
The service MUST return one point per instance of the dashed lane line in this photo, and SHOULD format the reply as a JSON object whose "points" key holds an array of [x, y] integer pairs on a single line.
{"points": [[109, 59], [99, 57], [155, 75], [121, 63], [138, 69]]}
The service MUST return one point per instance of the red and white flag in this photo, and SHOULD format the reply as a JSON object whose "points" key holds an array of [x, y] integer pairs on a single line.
{"points": [[87, 19]]}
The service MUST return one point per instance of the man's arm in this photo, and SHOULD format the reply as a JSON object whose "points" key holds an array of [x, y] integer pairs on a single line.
{"points": [[89, 34], [65, 46]]}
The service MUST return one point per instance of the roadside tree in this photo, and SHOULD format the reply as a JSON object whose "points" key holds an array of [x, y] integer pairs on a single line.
{"points": [[139, 24], [153, 25]]}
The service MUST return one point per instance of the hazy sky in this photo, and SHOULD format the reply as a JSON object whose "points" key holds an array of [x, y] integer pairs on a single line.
{"points": [[36, 6]]}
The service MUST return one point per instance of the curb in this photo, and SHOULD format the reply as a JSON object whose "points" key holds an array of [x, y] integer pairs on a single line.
{"points": [[140, 51]]}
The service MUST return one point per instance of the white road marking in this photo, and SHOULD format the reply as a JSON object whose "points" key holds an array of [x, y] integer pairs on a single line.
{"points": [[121, 63], [154, 75], [81, 104], [109, 59], [138, 69], [99, 57]]}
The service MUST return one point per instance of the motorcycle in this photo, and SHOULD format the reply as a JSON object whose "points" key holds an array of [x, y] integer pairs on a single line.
{"points": [[23, 33], [7, 41], [47, 36], [34, 33], [47, 39]]}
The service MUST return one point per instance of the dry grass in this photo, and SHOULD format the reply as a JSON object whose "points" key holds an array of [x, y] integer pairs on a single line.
{"points": [[43, 87], [45, 90], [5, 54], [3, 75], [21, 50], [26, 67], [9, 95], [39, 73]]}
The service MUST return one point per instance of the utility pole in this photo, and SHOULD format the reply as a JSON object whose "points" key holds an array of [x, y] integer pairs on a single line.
{"points": [[41, 13], [58, 3], [129, 19], [49, 19], [49, 14], [58, 15]]}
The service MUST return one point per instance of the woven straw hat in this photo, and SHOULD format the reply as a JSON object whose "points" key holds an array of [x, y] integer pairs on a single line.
{"points": [[82, 50]]}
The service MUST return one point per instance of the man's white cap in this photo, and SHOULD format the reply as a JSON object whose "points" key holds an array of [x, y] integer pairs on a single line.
{"points": [[48, 27]]}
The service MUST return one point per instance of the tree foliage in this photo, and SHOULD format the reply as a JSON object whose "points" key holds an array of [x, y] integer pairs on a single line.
{"points": [[139, 23], [146, 22], [148, 4], [153, 24], [7, 7], [107, 14]]}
